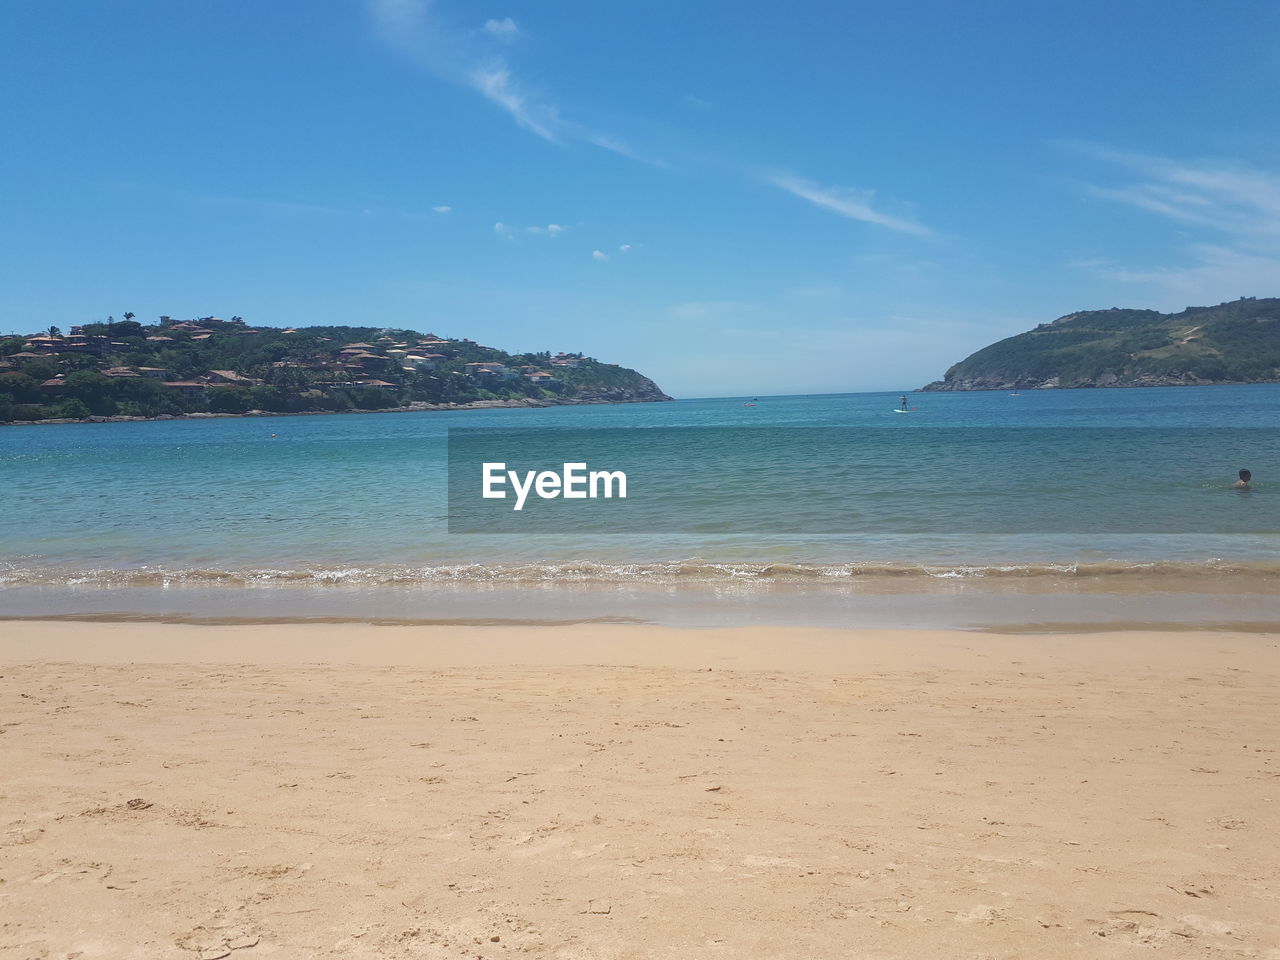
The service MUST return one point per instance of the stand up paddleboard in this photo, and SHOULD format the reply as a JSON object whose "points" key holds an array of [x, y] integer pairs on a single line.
{"points": [[900, 410]]}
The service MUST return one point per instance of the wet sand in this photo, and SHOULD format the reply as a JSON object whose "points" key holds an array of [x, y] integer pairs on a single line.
{"points": [[597, 791]]}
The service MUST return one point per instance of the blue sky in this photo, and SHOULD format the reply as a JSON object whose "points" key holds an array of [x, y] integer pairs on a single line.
{"points": [[731, 197]]}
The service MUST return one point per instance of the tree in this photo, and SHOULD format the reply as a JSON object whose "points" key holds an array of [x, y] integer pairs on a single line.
{"points": [[54, 332], [93, 390], [126, 328], [22, 388], [267, 398], [228, 400], [71, 410]]}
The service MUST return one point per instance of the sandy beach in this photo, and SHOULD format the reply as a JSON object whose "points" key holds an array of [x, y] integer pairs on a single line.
{"points": [[291, 790]]}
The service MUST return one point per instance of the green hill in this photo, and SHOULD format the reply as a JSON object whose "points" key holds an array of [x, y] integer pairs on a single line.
{"points": [[128, 369], [1236, 342]]}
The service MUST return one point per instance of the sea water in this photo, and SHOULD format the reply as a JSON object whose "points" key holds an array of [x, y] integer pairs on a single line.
{"points": [[821, 491]]}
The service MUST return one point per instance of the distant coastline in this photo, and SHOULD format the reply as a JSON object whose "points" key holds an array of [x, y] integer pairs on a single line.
{"points": [[411, 408], [940, 386], [125, 370], [1236, 343]]}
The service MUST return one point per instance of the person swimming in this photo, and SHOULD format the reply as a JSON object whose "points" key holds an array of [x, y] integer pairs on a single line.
{"points": [[1244, 482]]}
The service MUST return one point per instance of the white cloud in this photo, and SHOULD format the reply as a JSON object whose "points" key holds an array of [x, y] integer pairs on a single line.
{"points": [[599, 256], [504, 29], [443, 208], [551, 230], [625, 248], [846, 201], [1213, 274], [1235, 207], [495, 83], [608, 142], [1231, 198], [474, 59], [397, 17]]}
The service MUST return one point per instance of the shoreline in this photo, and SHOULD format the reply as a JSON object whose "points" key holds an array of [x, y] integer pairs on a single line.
{"points": [[415, 407], [1038, 604], [604, 792], [941, 386]]}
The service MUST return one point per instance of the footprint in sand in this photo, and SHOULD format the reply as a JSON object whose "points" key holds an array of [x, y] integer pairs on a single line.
{"points": [[983, 914]]}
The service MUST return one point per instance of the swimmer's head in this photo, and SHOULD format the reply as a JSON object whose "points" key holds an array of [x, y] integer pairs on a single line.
{"points": [[1245, 476]]}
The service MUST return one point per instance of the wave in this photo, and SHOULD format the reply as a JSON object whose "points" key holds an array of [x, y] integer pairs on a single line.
{"points": [[586, 572]]}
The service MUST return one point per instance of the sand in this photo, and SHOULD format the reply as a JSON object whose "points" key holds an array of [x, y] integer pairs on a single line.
{"points": [[607, 792]]}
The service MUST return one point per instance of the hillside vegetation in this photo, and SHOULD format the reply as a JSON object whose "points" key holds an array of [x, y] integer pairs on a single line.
{"points": [[1235, 342], [128, 369]]}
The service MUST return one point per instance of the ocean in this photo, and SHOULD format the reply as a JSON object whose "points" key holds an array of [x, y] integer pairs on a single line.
{"points": [[832, 509]]}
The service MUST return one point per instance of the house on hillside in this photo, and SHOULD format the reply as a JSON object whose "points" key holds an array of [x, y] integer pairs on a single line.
{"points": [[46, 344], [488, 369]]}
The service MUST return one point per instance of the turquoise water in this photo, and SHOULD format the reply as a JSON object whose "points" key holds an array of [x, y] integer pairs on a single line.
{"points": [[969, 485]]}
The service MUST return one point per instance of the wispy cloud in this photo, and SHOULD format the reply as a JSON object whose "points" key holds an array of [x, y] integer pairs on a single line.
{"points": [[846, 201], [550, 230], [399, 17], [504, 29], [1235, 207], [1211, 273], [476, 60], [443, 208], [599, 256], [611, 143], [494, 81], [1233, 199], [624, 248]]}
